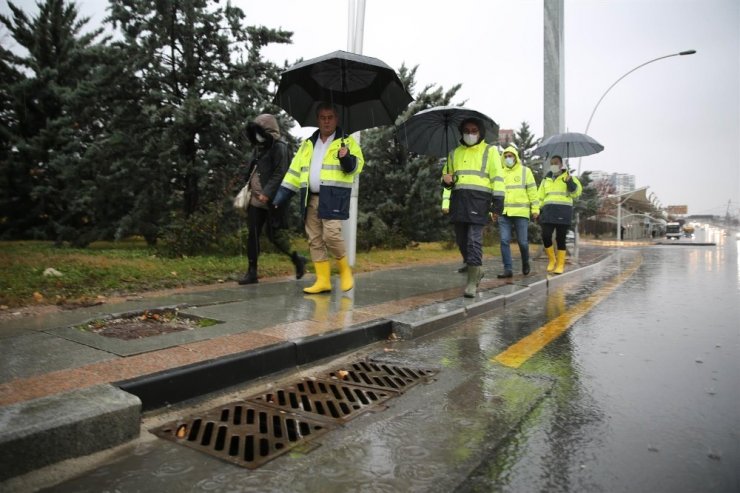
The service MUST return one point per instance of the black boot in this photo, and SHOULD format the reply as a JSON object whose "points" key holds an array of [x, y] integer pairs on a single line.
{"points": [[251, 276], [525, 262], [300, 264]]}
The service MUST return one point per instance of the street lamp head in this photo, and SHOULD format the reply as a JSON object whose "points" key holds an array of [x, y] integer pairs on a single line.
{"points": [[687, 52]]}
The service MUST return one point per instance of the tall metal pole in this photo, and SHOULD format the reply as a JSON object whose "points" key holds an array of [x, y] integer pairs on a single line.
{"points": [[355, 34], [554, 67]]}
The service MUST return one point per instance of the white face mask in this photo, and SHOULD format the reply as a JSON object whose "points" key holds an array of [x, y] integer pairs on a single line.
{"points": [[470, 139], [510, 162], [554, 169], [259, 138]]}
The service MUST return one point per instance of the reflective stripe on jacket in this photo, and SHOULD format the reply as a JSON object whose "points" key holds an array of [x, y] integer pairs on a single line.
{"points": [[477, 179], [337, 176]]}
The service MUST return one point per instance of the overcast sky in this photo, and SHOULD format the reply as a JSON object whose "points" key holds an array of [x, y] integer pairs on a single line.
{"points": [[674, 124]]}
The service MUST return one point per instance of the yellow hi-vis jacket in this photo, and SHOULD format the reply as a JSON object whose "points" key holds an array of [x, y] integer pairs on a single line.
{"points": [[337, 176], [521, 197], [476, 172], [556, 196]]}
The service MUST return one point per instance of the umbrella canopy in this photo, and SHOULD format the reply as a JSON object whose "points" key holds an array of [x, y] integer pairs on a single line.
{"points": [[570, 144], [436, 131], [366, 91]]}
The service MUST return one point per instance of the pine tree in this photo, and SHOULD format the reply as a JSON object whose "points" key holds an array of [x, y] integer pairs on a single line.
{"points": [[525, 142], [203, 78], [47, 184]]}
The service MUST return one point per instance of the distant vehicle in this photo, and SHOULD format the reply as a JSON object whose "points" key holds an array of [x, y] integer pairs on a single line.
{"points": [[688, 231], [673, 231]]}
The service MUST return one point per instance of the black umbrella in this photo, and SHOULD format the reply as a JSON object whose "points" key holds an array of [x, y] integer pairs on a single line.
{"points": [[366, 91], [434, 131], [570, 144]]}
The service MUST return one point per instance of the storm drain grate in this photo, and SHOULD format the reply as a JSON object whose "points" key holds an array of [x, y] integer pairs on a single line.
{"points": [[244, 433], [328, 399], [251, 432], [381, 375]]}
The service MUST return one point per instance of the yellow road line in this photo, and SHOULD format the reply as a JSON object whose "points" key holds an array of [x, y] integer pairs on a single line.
{"points": [[517, 354]]}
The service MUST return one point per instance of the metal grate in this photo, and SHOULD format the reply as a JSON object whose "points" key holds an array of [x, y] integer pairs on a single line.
{"points": [[244, 433], [252, 432], [327, 399], [379, 375]]}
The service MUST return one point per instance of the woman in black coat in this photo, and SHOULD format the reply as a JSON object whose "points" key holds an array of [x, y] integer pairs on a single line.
{"points": [[268, 166]]}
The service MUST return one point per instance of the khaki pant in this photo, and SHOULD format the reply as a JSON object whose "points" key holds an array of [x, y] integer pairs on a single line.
{"points": [[324, 235]]}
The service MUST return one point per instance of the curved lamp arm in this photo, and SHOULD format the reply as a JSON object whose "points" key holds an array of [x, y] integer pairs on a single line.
{"points": [[681, 53]]}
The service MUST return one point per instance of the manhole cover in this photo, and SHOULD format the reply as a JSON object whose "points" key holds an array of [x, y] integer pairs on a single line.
{"points": [[329, 399], [381, 375], [243, 433], [138, 325]]}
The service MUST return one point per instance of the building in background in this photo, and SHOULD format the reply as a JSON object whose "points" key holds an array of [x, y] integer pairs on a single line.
{"points": [[620, 182], [505, 137]]}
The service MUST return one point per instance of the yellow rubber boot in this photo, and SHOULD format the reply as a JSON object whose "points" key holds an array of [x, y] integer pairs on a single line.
{"points": [[323, 278], [550, 251], [560, 267], [346, 282]]}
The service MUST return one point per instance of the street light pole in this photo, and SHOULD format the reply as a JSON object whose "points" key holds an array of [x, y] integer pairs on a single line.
{"points": [[588, 125]]}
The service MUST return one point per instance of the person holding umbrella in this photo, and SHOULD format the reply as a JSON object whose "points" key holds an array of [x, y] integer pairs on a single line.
{"points": [[520, 202], [323, 171], [266, 170], [557, 192], [472, 172]]}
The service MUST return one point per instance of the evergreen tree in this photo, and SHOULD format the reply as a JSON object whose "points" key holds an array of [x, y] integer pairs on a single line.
{"points": [[203, 79], [525, 142], [47, 182]]}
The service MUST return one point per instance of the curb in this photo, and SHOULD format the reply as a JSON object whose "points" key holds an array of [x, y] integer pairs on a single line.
{"points": [[50, 429], [179, 384]]}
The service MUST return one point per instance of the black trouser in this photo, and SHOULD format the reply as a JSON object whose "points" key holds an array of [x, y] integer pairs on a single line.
{"points": [[256, 220], [560, 231], [469, 239]]}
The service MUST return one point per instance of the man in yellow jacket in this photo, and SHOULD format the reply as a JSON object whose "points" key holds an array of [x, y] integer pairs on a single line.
{"points": [[322, 172], [520, 203], [471, 172]]}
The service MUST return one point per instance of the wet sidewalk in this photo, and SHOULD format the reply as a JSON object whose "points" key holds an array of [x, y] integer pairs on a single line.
{"points": [[67, 392]]}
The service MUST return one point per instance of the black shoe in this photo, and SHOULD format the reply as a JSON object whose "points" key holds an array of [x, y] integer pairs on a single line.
{"points": [[507, 274], [250, 277], [247, 279], [300, 265], [462, 269], [525, 268]]}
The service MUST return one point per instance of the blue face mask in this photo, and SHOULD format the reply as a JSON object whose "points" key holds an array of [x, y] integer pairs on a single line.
{"points": [[555, 169], [510, 161]]}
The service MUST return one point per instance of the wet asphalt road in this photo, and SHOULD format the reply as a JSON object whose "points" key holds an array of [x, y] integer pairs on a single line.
{"points": [[639, 394]]}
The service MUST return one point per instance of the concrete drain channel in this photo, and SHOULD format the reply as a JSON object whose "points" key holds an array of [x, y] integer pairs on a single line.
{"points": [[253, 431]]}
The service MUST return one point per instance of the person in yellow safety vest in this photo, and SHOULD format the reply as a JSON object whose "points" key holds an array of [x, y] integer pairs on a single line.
{"points": [[557, 192], [471, 173], [322, 172], [520, 202]]}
